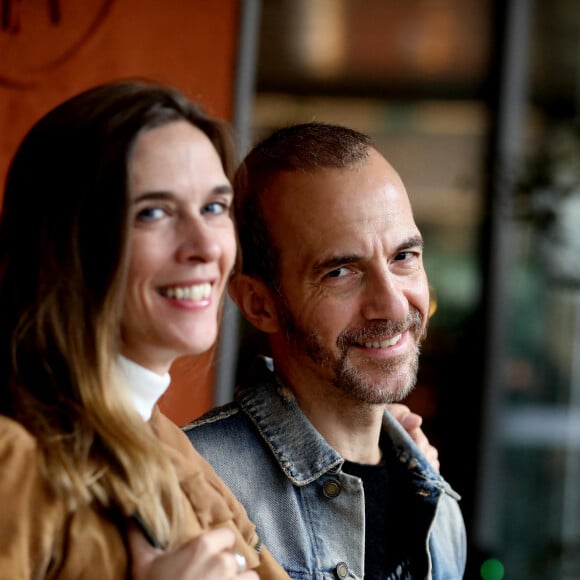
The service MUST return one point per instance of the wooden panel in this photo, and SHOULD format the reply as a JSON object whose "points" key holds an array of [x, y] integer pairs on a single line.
{"points": [[52, 49]]}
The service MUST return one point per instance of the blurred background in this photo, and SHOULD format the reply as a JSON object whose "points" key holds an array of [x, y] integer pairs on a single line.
{"points": [[476, 103]]}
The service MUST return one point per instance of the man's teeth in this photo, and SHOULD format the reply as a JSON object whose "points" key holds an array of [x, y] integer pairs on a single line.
{"points": [[194, 292], [383, 343]]}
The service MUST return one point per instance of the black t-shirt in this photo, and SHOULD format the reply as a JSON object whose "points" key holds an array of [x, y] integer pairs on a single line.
{"points": [[394, 543]]}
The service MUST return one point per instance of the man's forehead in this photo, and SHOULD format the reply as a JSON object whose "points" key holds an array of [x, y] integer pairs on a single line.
{"points": [[324, 207]]}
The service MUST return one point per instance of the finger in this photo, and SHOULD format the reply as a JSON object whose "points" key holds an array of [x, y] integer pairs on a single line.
{"points": [[140, 549], [420, 439], [206, 556], [221, 566], [433, 458], [398, 410], [428, 450], [241, 563], [212, 542], [228, 565], [411, 421]]}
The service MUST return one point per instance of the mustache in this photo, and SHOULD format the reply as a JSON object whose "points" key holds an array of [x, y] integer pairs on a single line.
{"points": [[379, 329]]}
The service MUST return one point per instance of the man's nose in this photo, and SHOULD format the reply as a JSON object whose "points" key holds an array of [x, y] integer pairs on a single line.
{"points": [[384, 297]]}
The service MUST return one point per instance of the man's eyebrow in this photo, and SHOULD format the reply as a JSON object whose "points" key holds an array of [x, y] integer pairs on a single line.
{"points": [[335, 262], [412, 242]]}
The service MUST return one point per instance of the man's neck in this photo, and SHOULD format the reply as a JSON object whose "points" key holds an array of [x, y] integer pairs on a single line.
{"points": [[350, 426]]}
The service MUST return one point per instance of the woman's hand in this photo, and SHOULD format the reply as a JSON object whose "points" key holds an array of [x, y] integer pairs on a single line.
{"points": [[206, 557], [411, 422]]}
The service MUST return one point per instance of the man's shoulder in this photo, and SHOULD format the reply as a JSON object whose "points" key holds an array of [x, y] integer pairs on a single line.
{"points": [[214, 433], [222, 429], [215, 415], [218, 425], [228, 439]]}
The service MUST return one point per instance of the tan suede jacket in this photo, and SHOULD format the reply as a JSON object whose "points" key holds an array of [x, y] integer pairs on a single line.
{"points": [[39, 540]]}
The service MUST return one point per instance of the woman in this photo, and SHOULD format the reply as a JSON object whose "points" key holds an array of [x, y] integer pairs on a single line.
{"points": [[115, 246]]}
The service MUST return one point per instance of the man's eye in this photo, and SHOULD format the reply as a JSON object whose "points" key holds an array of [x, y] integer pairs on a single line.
{"points": [[404, 255], [216, 207], [338, 273]]}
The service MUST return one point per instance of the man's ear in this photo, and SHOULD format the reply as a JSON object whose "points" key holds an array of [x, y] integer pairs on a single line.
{"points": [[256, 301]]}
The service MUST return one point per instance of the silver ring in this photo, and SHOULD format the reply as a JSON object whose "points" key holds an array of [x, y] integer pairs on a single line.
{"points": [[240, 562]]}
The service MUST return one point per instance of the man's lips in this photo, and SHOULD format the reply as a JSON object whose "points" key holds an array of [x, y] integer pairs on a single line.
{"points": [[383, 334], [384, 343]]}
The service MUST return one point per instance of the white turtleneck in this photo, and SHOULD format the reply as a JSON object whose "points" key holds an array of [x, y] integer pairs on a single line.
{"points": [[144, 387]]}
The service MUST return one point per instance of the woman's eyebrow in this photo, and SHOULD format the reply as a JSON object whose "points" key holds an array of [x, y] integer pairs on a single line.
{"points": [[153, 195], [162, 194], [226, 188]]}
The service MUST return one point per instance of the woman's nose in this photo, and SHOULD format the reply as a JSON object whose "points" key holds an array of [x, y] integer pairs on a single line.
{"points": [[199, 242]]}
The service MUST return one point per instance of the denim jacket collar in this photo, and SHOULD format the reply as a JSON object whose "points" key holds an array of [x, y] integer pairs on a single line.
{"points": [[301, 451], [409, 454]]}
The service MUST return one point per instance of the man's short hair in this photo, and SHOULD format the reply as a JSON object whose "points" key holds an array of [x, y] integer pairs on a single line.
{"points": [[307, 147]]}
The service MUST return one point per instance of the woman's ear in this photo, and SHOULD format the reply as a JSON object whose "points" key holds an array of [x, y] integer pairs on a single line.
{"points": [[255, 299]]}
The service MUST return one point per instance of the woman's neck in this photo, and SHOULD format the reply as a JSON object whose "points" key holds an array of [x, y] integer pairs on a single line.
{"points": [[144, 387]]}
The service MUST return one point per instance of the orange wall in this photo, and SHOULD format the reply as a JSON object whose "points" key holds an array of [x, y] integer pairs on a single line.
{"points": [[45, 58]]}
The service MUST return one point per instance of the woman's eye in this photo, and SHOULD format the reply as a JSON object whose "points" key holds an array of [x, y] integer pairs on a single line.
{"points": [[149, 214], [216, 208]]}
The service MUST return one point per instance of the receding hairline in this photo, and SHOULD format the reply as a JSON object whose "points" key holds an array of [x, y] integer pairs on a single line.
{"points": [[310, 146]]}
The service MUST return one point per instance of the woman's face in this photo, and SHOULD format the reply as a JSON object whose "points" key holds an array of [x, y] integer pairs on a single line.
{"points": [[182, 246]]}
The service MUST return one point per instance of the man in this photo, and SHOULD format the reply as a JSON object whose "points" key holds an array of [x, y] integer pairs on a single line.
{"points": [[333, 274]]}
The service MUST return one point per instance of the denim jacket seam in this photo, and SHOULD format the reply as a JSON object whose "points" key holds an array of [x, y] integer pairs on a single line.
{"points": [[216, 415]]}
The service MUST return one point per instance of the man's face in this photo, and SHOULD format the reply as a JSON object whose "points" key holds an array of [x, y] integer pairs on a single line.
{"points": [[354, 297]]}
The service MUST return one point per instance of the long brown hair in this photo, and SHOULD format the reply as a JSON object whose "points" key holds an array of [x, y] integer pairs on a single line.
{"points": [[63, 260]]}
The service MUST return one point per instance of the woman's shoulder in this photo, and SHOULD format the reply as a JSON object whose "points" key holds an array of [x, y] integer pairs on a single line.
{"points": [[21, 464], [30, 514], [20, 460], [15, 439], [210, 498]]}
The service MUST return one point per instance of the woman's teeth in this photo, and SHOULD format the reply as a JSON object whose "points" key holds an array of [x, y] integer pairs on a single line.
{"points": [[194, 292]]}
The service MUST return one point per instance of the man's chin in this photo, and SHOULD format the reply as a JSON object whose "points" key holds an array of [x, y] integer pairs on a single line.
{"points": [[381, 369], [380, 396], [394, 391], [376, 386]]}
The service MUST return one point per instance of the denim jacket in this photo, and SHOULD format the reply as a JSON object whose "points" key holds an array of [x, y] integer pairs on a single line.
{"points": [[308, 512]]}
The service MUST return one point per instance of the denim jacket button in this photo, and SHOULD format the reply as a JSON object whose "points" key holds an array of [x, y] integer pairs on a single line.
{"points": [[341, 570], [331, 489]]}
